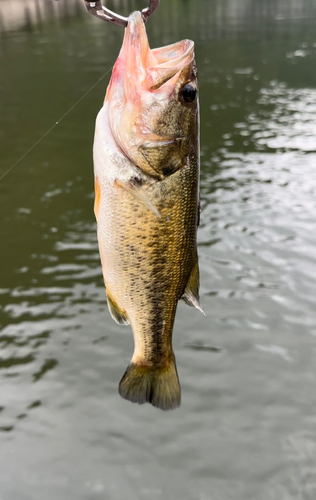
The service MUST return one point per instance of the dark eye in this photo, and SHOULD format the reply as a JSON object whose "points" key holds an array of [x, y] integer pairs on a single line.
{"points": [[188, 92]]}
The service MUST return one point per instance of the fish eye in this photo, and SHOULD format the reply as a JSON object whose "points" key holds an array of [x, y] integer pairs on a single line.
{"points": [[188, 93]]}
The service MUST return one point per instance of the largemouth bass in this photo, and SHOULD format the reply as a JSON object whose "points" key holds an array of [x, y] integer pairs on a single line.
{"points": [[146, 164]]}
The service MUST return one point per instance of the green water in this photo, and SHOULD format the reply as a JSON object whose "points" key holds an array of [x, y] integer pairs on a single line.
{"points": [[246, 427]]}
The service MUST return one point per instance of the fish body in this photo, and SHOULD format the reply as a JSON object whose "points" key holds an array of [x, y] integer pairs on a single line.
{"points": [[146, 165]]}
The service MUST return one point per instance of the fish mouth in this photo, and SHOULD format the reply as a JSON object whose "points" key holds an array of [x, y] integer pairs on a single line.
{"points": [[140, 68], [170, 61]]}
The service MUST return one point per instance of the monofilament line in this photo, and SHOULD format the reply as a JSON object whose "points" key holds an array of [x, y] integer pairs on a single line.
{"points": [[55, 124]]}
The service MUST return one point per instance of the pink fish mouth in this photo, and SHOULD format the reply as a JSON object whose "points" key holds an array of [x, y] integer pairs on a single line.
{"points": [[140, 68]]}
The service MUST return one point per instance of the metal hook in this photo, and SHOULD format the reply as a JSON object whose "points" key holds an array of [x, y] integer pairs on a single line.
{"points": [[97, 10]]}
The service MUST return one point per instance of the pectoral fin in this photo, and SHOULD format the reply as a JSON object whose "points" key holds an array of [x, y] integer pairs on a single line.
{"points": [[139, 194], [191, 292], [117, 314]]}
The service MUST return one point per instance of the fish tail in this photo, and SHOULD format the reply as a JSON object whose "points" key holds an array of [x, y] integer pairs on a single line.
{"points": [[158, 385]]}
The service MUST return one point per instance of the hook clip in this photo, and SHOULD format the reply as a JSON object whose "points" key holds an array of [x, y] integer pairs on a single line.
{"points": [[96, 9]]}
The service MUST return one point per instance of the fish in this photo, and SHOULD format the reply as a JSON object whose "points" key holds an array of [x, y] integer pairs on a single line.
{"points": [[146, 170]]}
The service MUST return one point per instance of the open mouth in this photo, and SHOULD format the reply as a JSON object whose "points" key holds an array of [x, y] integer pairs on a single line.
{"points": [[170, 61], [140, 67]]}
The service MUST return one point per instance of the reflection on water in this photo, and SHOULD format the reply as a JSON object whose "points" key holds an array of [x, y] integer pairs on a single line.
{"points": [[211, 17], [245, 430], [17, 14]]}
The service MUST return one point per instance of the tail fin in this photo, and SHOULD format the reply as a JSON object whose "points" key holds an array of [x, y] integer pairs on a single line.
{"points": [[151, 384]]}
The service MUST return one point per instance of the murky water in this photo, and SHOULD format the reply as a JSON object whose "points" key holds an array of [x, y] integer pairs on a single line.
{"points": [[246, 427]]}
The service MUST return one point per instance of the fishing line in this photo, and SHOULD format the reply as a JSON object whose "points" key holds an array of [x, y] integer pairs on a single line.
{"points": [[55, 124]]}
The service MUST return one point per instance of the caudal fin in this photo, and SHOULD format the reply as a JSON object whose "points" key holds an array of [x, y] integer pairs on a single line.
{"points": [[151, 384]]}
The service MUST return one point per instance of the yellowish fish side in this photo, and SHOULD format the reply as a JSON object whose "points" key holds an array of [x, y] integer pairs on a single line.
{"points": [[147, 189]]}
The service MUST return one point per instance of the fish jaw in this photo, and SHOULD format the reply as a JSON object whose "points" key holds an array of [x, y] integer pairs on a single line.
{"points": [[134, 57], [143, 84]]}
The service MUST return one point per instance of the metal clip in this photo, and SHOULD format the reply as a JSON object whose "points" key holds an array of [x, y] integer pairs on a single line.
{"points": [[97, 10]]}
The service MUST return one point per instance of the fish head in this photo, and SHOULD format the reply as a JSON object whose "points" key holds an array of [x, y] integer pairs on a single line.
{"points": [[152, 101]]}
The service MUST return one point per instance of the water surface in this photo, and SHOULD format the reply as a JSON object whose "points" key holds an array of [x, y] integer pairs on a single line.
{"points": [[246, 427]]}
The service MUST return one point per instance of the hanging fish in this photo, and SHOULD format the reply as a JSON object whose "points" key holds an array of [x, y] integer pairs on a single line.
{"points": [[146, 165]]}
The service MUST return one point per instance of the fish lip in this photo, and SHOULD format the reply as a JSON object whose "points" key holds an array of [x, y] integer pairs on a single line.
{"points": [[164, 142], [188, 50], [173, 60]]}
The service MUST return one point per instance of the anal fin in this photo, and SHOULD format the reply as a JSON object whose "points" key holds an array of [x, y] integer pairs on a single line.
{"points": [[117, 314], [191, 293]]}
